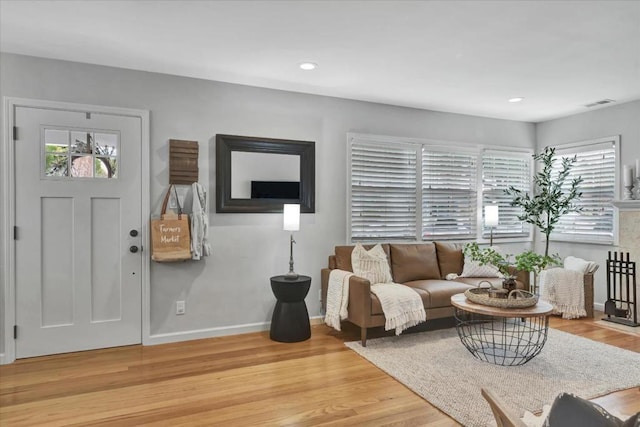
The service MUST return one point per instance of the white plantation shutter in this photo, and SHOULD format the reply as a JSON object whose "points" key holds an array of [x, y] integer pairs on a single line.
{"points": [[412, 190], [383, 191], [499, 171], [449, 194], [596, 165]]}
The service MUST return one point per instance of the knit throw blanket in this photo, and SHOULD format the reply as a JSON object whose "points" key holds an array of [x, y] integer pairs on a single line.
{"points": [[337, 298], [564, 290], [401, 305]]}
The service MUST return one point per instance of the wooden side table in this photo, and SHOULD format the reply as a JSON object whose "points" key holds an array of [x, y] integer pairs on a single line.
{"points": [[290, 320]]}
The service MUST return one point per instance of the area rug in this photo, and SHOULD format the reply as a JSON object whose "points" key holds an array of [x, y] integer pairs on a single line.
{"points": [[436, 366]]}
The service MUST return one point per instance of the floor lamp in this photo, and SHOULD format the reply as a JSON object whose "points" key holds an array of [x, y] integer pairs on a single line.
{"points": [[491, 220]]}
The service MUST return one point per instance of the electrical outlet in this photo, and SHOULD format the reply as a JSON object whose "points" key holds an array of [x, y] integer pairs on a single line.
{"points": [[180, 307]]}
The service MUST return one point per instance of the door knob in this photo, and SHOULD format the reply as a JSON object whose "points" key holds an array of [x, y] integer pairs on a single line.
{"points": [[133, 249], [133, 233]]}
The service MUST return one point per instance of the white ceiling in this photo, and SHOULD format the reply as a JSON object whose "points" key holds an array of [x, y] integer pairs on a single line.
{"points": [[458, 56]]}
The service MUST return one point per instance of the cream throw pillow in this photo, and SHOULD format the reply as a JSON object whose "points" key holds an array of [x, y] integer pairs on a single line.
{"points": [[371, 265], [474, 269]]}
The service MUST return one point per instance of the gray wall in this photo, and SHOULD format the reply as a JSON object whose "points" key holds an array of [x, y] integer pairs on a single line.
{"points": [[623, 120], [231, 287]]}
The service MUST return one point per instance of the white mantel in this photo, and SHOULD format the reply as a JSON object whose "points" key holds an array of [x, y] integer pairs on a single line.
{"points": [[628, 226], [629, 232], [626, 205]]}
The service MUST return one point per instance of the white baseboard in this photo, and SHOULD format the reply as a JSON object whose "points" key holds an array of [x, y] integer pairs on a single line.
{"points": [[316, 320], [3, 359], [598, 306], [215, 332]]}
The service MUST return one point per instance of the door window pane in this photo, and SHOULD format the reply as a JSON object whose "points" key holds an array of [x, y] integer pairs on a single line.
{"points": [[82, 166], [106, 144], [106, 167], [56, 141], [93, 154], [81, 142], [56, 165]]}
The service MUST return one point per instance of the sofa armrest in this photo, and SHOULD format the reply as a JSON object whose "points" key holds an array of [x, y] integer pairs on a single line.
{"points": [[324, 285], [359, 296], [359, 300]]}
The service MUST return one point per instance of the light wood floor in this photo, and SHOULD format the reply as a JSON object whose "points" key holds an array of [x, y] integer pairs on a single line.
{"points": [[240, 380]]}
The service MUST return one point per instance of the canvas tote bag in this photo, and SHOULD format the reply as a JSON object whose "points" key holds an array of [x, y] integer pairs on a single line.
{"points": [[170, 235]]}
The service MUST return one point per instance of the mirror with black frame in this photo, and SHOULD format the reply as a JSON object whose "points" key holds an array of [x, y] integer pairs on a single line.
{"points": [[260, 175]]}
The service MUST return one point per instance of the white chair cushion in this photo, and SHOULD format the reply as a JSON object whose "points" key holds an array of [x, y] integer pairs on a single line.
{"points": [[579, 264]]}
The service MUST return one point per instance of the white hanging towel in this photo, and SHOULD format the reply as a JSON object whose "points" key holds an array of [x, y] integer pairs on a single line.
{"points": [[199, 223]]}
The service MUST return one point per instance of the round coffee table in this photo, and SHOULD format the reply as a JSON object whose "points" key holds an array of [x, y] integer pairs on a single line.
{"points": [[502, 336]]}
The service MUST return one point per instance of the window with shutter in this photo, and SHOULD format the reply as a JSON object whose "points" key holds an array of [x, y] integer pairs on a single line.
{"points": [[408, 189], [499, 171], [383, 191], [596, 164], [449, 194]]}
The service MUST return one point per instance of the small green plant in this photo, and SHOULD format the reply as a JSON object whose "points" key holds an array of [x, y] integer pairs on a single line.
{"points": [[526, 261], [531, 261], [488, 255]]}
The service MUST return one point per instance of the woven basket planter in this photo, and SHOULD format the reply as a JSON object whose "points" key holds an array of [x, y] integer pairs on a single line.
{"points": [[516, 299]]}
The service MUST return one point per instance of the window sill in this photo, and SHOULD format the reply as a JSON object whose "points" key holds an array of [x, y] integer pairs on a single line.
{"points": [[584, 242]]}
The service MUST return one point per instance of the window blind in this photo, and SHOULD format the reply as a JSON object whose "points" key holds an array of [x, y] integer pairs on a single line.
{"points": [[449, 194], [596, 165], [383, 192], [499, 171]]}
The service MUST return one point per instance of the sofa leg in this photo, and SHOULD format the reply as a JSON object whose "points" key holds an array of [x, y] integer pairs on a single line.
{"points": [[363, 336]]}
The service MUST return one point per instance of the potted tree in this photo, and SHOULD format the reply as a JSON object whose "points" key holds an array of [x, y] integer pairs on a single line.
{"points": [[550, 201]]}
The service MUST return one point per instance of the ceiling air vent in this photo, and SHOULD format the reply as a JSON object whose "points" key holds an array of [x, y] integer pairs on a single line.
{"points": [[601, 102]]}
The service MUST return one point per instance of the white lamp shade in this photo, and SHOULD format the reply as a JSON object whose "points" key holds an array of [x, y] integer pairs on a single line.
{"points": [[291, 218], [491, 218]]}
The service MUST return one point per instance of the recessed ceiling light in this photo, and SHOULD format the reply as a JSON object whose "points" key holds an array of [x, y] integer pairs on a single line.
{"points": [[308, 66], [517, 99]]}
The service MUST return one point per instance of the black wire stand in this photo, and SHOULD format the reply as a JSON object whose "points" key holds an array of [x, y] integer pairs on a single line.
{"points": [[500, 340]]}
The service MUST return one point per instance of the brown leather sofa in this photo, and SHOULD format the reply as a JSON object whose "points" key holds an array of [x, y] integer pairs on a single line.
{"points": [[422, 266]]}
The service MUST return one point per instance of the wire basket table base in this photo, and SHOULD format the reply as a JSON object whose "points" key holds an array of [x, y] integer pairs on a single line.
{"points": [[502, 340]]}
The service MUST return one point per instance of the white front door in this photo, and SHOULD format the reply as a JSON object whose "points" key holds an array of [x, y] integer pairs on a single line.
{"points": [[78, 239]]}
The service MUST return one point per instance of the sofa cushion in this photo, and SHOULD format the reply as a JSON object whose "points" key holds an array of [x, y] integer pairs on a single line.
{"points": [[414, 262], [343, 255], [450, 258], [437, 293], [371, 265]]}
